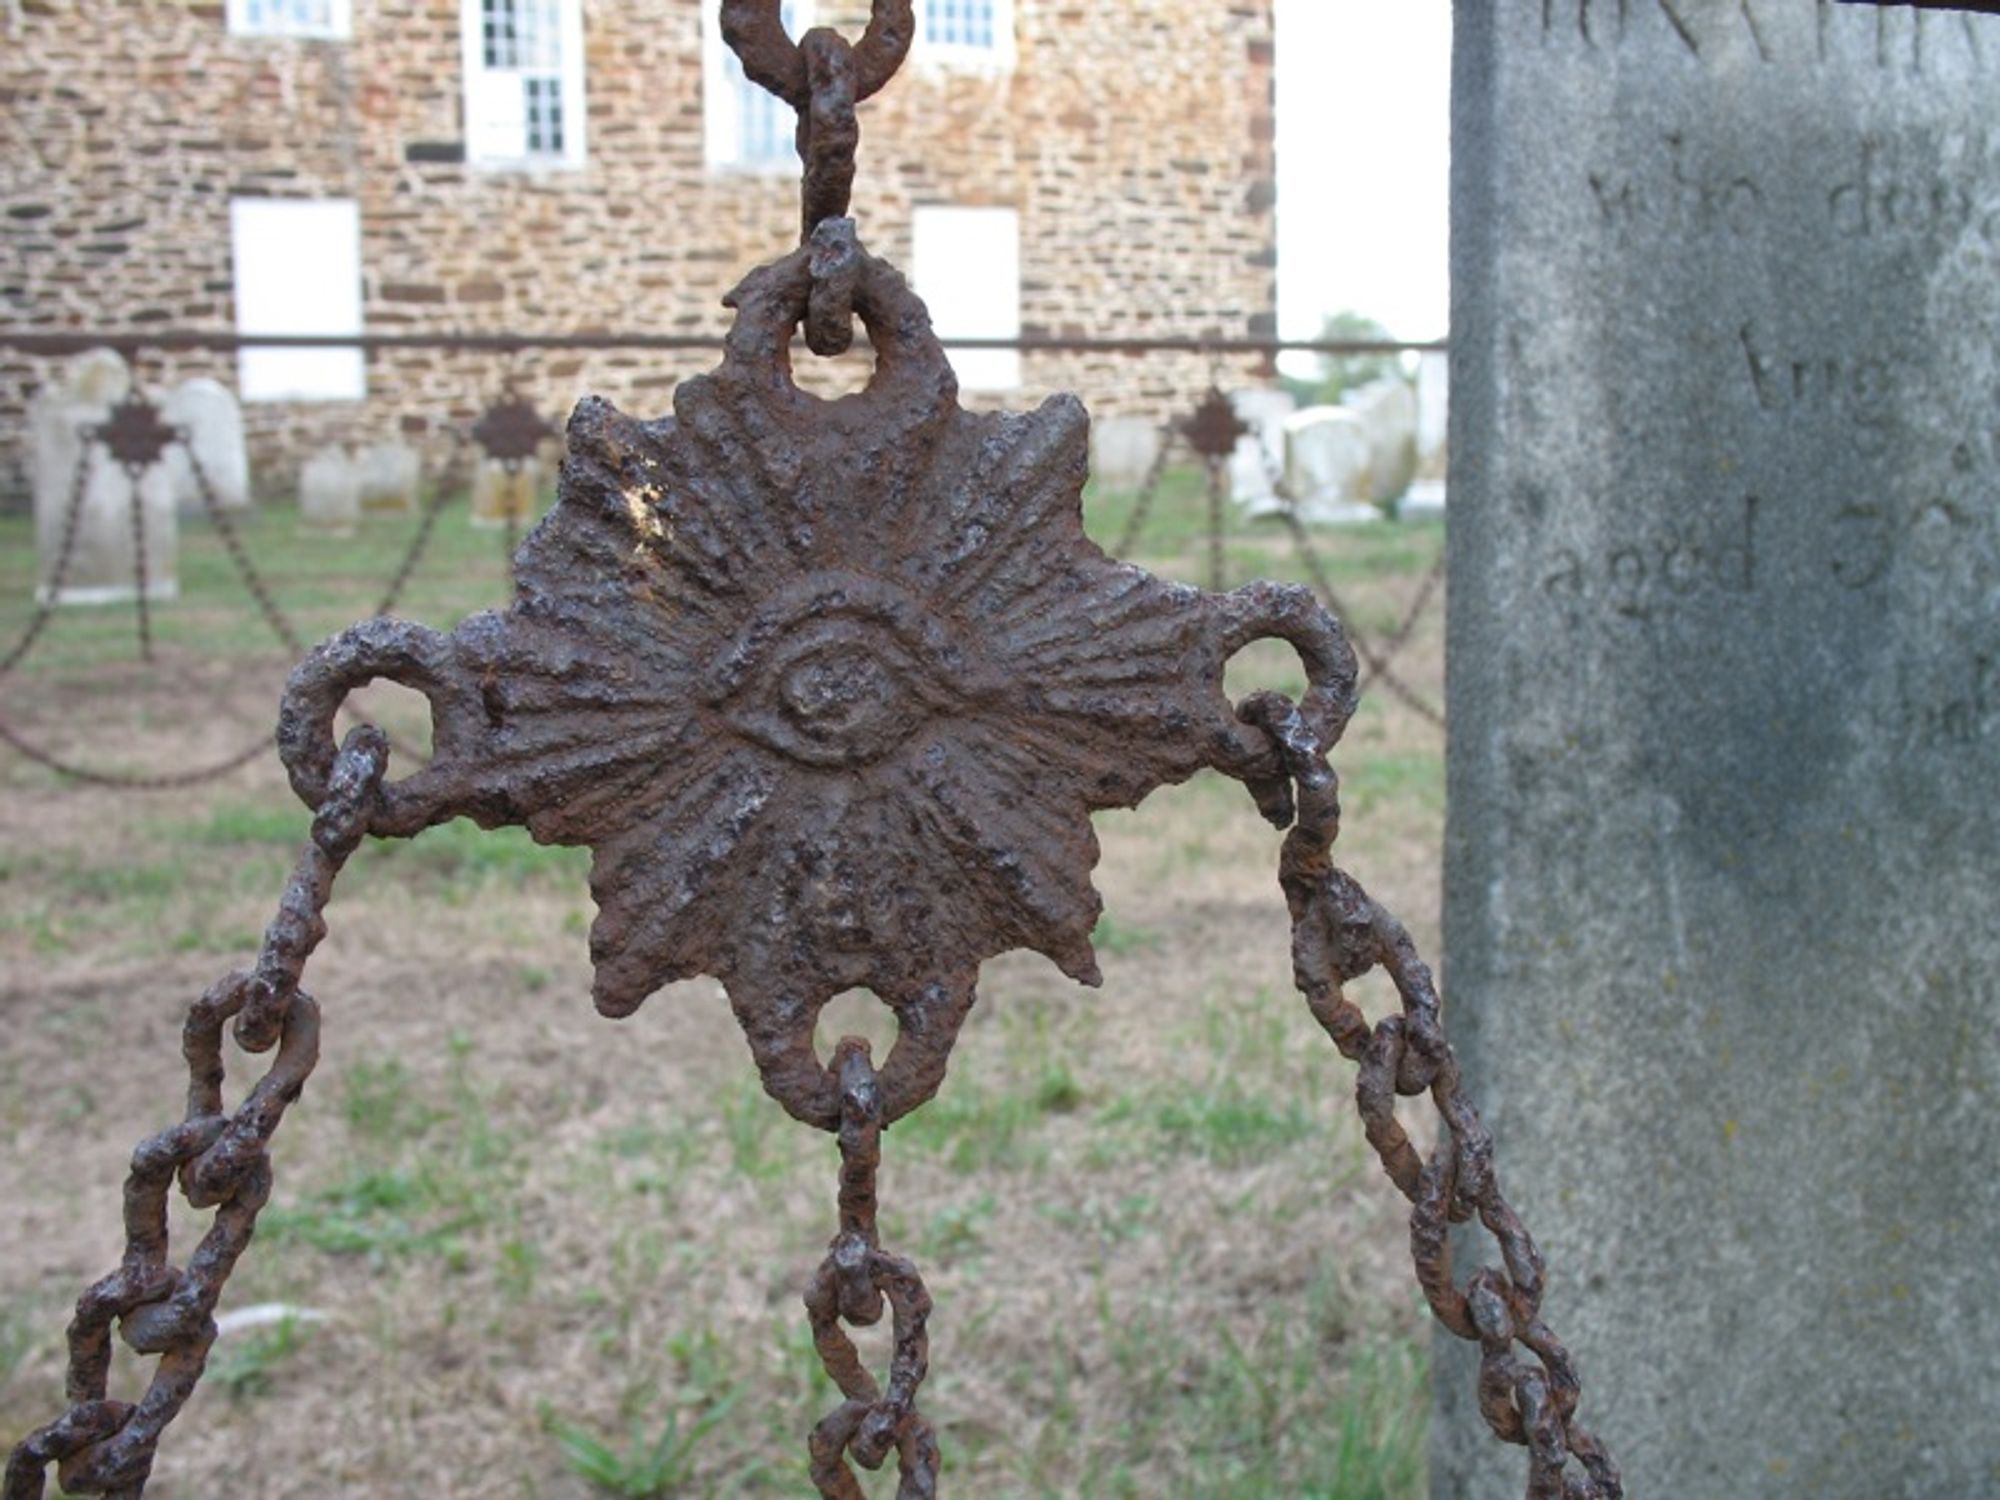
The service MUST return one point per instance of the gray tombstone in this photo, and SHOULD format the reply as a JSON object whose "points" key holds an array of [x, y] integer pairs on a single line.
{"points": [[1123, 451], [1723, 868], [390, 475], [86, 505], [330, 492], [207, 412]]}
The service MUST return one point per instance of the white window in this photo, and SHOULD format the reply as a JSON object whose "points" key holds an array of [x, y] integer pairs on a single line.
{"points": [[745, 127], [523, 82], [332, 18], [297, 266], [967, 265], [974, 33]]}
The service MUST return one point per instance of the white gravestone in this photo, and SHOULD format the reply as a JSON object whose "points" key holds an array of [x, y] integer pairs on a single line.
{"points": [[1260, 454], [1328, 467], [1433, 411], [390, 474], [206, 411], [93, 550], [1123, 451], [1388, 412], [330, 492]]}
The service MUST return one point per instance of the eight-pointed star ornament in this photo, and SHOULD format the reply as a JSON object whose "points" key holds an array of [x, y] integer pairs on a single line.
{"points": [[831, 688]]}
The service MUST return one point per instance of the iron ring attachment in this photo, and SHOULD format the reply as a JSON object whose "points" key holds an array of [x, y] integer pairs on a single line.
{"points": [[755, 31]]}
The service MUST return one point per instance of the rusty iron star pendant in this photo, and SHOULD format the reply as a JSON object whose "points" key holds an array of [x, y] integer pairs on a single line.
{"points": [[135, 434], [1213, 428], [511, 431], [830, 688]]}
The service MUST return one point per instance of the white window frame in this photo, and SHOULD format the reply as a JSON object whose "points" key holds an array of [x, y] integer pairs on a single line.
{"points": [[962, 259], [489, 102], [339, 26], [998, 58], [308, 282], [722, 94]]}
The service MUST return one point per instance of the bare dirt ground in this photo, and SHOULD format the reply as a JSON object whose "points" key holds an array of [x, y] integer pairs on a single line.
{"points": [[551, 1256]]}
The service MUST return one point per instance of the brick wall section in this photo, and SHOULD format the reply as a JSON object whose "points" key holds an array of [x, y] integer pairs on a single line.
{"points": [[1135, 140]]}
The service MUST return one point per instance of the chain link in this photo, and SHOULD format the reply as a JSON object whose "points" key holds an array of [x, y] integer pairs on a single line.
{"points": [[220, 1159], [1340, 933], [46, 606], [853, 1285]]}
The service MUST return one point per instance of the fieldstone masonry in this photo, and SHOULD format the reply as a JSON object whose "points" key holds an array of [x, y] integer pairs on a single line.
{"points": [[1135, 141], [1721, 908]]}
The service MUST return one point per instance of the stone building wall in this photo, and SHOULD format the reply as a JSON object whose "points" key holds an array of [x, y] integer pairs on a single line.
{"points": [[1135, 140]]}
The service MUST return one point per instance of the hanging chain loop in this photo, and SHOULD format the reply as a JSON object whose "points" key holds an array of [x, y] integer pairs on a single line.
{"points": [[755, 31], [221, 1161], [1340, 933], [854, 1284]]}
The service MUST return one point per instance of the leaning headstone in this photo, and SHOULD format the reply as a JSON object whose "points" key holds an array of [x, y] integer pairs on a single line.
{"points": [[87, 550], [1123, 451], [1721, 923], [1327, 467], [1388, 412], [330, 492], [504, 495], [390, 473], [1433, 411], [1259, 459], [207, 412]]}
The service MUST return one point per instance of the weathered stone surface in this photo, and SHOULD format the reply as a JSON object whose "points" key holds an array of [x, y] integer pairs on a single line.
{"points": [[208, 412], [1328, 464], [1123, 451], [330, 492], [391, 474], [1725, 701], [95, 554]]}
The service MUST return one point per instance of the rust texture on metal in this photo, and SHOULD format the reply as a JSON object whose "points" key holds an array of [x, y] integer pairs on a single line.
{"points": [[221, 1161], [831, 689]]}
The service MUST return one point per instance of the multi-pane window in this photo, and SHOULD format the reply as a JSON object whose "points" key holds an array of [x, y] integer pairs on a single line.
{"points": [[745, 126], [523, 82], [296, 269], [290, 17], [966, 263], [960, 23], [979, 32]]}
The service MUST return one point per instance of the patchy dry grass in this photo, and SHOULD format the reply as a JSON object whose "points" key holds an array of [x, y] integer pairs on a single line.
{"points": [[561, 1257]]}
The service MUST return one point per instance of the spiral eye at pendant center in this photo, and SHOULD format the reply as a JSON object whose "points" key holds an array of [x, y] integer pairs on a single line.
{"points": [[840, 674]]}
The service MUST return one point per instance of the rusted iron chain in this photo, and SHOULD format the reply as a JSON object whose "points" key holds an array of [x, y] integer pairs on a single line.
{"points": [[1376, 664], [1340, 933], [170, 781], [449, 481], [102, 1446], [854, 1283], [141, 584], [1149, 489], [267, 604], [755, 31], [1218, 524], [45, 607]]}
